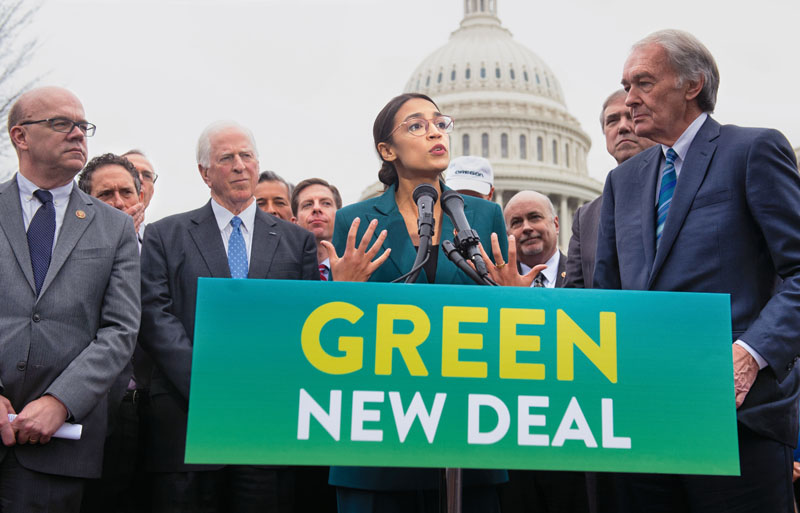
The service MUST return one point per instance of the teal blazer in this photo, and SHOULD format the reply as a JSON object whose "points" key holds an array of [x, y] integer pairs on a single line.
{"points": [[484, 217]]}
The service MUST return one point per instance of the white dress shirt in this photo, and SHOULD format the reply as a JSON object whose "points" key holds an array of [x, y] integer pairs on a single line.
{"points": [[30, 204], [550, 274], [224, 216]]}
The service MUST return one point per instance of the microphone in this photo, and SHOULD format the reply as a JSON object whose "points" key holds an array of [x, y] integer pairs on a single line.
{"points": [[467, 239], [425, 196], [455, 257]]}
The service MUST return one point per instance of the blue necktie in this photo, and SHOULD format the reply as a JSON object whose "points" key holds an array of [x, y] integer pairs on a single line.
{"points": [[237, 251], [41, 232], [668, 180]]}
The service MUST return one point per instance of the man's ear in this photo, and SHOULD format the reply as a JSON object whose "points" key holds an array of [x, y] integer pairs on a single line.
{"points": [[386, 152], [19, 137], [695, 86], [203, 173]]}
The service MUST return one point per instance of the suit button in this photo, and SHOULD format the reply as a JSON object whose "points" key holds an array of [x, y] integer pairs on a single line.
{"points": [[21, 366], [36, 317]]}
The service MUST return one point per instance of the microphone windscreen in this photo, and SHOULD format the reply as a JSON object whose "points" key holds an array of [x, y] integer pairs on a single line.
{"points": [[425, 189]]}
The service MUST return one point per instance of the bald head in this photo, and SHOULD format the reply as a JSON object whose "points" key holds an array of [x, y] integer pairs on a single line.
{"points": [[50, 155], [531, 219]]}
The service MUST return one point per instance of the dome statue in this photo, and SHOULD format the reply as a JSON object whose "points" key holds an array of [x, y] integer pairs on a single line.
{"points": [[508, 107]]}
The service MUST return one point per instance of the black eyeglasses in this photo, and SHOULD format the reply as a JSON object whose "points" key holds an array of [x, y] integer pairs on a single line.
{"points": [[65, 125]]}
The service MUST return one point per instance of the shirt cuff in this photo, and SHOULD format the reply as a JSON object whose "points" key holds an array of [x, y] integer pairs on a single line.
{"points": [[758, 358]]}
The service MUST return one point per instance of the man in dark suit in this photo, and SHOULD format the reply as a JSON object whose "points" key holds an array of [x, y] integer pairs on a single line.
{"points": [[228, 237], [531, 219], [712, 208], [69, 272], [622, 143], [115, 181]]}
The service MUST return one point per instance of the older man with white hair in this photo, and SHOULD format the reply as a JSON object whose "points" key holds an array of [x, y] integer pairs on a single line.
{"points": [[226, 238]]}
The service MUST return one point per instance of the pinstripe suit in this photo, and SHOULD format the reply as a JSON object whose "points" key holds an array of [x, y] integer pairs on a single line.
{"points": [[73, 340]]}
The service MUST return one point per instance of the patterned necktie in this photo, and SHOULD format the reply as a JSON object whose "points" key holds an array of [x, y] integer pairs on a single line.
{"points": [[323, 272], [668, 180], [237, 251], [41, 232], [539, 280]]}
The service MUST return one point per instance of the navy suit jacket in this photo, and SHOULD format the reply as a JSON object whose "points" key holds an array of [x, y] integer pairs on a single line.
{"points": [[733, 227], [484, 217], [178, 250]]}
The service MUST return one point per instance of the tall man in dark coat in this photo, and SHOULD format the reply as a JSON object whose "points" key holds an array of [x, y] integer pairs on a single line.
{"points": [[227, 237], [712, 208]]}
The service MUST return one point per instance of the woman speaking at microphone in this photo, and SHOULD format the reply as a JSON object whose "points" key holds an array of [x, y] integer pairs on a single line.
{"points": [[412, 139]]}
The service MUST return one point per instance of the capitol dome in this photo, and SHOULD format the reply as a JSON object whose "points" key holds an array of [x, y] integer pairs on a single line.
{"points": [[508, 107]]}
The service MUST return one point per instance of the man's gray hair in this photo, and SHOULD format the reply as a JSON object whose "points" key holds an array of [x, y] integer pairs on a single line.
{"points": [[204, 141], [690, 59], [611, 98]]}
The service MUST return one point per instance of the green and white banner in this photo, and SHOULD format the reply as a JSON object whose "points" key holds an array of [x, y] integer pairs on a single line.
{"points": [[373, 374]]}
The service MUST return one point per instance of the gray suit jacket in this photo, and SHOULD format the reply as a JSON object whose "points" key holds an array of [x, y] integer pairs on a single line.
{"points": [[74, 339], [177, 251], [583, 245]]}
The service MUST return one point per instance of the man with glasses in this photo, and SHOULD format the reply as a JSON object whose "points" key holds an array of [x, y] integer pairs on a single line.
{"points": [[69, 269]]}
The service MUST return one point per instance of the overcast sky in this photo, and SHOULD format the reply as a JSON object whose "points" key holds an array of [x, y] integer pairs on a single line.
{"points": [[308, 77]]}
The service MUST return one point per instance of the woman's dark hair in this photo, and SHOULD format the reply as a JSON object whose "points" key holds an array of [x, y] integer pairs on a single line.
{"points": [[382, 128]]}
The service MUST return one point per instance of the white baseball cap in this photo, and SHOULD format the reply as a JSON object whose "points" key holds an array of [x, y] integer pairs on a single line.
{"points": [[470, 173]]}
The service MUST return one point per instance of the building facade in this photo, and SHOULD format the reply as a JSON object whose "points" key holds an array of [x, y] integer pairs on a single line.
{"points": [[508, 106]]}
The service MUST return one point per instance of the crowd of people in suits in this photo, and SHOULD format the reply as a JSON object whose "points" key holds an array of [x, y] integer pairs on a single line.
{"points": [[99, 311]]}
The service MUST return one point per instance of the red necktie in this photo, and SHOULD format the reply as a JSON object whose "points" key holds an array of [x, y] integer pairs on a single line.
{"points": [[323, 272]]}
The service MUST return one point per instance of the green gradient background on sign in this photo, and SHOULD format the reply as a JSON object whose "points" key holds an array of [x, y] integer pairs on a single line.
{"points": [[673, 397]]}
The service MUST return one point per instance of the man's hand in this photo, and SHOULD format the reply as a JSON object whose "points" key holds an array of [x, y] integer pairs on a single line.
{"points": [[137, 213], [507, 274], [745, 370], [6, 429], [356, 264], [39, 419]]}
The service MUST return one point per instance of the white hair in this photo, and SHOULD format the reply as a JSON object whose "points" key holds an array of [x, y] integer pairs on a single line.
{"points": [[204, 141], [690, 60]]}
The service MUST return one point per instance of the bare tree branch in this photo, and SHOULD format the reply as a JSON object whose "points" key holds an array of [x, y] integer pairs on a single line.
{"points": [[17, 47]]}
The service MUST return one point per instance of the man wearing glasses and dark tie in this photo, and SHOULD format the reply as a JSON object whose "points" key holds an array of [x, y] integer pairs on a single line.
{"points": [[69, 269]]}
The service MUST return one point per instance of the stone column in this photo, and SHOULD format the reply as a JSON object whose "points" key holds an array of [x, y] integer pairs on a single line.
{"points": [[565, 227]]}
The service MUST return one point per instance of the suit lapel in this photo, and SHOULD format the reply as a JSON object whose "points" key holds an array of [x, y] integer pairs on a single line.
{"points": [[562, 269], [72, 229], [12, 225], [265, 242], [648, 175], [390, 219], [205, 234], [693, 172]]}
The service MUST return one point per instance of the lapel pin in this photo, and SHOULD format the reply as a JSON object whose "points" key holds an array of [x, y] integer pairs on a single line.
{"points": [[80, 214], [564, 274]]}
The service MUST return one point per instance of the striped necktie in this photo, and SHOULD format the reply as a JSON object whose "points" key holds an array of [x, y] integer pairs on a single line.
{"points": [[539, 280], [668, 180], [323, 272]]}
